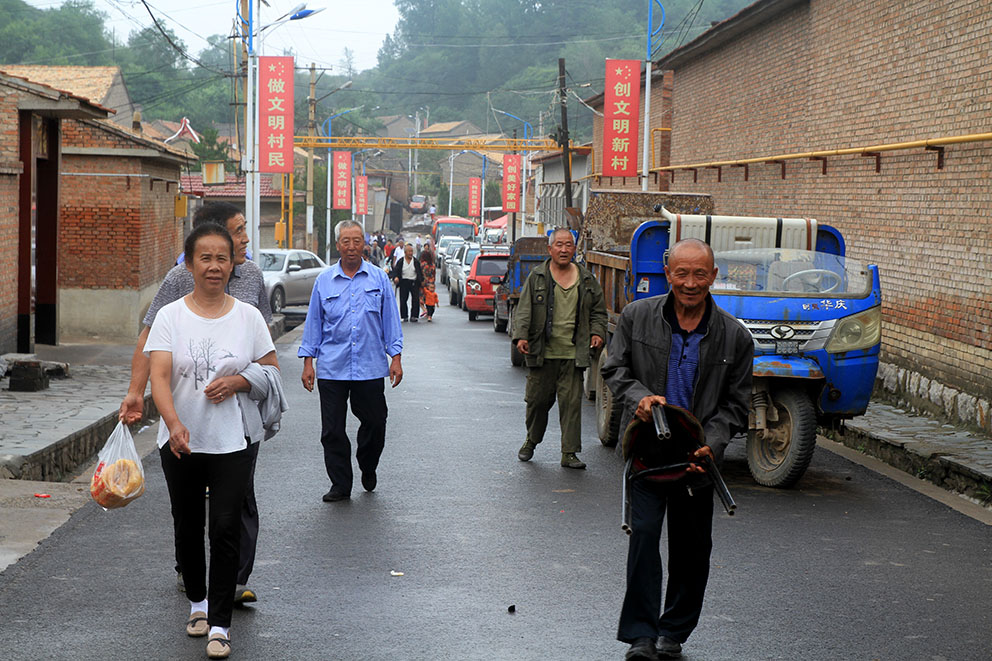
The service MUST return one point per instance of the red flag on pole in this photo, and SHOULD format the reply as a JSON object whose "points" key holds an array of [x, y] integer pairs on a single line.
{"points": [[621, 111], [512, 174], [275, 114], [474, 197], [341, 189]]}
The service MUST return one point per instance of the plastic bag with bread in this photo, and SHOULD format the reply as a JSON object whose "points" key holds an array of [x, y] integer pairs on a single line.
{"points": [[119, 477]]}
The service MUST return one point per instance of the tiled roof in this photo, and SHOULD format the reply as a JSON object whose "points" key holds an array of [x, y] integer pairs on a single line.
{"points": [[442, 127], [91, 83], [233, 187]]}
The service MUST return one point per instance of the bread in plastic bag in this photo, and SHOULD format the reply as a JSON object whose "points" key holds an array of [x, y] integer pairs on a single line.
{"points": [[119, 477]]}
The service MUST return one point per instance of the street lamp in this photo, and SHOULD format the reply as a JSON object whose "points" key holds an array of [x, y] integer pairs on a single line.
{"points": [[330, 167], [312, 103], [252, 193]]}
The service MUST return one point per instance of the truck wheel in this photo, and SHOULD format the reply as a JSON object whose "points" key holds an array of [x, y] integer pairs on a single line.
{"points": [[499, 326], [780, 459], [607, 411], [516, 358]]}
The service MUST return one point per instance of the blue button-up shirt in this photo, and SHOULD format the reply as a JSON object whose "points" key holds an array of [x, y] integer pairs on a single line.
{"points": [[352, 325]]}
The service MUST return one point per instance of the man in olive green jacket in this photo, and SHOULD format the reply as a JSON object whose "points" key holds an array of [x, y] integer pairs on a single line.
{"points": [[559, 326]]}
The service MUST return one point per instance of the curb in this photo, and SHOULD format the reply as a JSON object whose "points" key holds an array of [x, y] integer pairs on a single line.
{"points": [[936, 465], [61, 460]]}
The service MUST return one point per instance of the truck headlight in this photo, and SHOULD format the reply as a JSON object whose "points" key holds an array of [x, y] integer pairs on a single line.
{"points": [[858, 331]]}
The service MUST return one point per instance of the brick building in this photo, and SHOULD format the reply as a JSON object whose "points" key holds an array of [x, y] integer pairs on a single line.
{"points": [[31, 124], [791, 76], [119, 233]]}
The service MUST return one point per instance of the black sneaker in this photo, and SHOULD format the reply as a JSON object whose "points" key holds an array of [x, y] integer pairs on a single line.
{"points": [[643, 648], [333, 496], [668, 648]]}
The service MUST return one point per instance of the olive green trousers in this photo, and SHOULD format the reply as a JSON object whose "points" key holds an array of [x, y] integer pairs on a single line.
{"points": [[561, 379]]}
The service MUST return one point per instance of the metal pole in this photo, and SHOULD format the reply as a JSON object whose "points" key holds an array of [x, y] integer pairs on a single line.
{"points": [[311, 130], [451, 178], [513, 216], [416, 160], [327, 219], [645, 167], [563, 138]]}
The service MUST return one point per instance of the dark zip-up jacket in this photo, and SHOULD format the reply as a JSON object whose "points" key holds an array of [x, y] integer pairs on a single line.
{"points": [[534, 312], [637, 366]]}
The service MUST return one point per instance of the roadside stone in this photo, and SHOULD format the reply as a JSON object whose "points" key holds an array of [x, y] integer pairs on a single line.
{"points": [[948, 398], [967, 407], [914, 383], [983, 414], [890, 378], [924, 389], [935, 393], [3, 368]]}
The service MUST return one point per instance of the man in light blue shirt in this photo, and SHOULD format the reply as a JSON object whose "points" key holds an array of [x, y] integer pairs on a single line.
{"points": [[353, 330]]}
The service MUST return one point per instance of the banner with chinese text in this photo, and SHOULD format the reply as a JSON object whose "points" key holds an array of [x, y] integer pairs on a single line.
{"points": [[511, 183], [474, 197], [361, 195], [621, 110], [275, 114], [341, 183]]}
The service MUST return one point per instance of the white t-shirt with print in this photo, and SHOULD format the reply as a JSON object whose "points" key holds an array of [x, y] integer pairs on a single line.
{"points": [[203, 350]]}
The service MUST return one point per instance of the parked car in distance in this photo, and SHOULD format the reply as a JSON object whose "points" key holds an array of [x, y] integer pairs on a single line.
{"points": [[449, 254], [487, 271], [289, 276], [458, 268], [442, 246], [418, 204]]}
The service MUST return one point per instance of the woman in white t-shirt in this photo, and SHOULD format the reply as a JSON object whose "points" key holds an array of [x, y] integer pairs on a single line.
{"points": [[198, 345]]}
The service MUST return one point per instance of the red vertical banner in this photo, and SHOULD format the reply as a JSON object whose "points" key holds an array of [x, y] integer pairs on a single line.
{"points": [[275, 114], [361, 195], [341, 183], [621, 110], [511, 183], [474, 197]]}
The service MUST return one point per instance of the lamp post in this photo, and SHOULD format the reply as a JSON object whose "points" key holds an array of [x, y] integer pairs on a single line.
{"points": [[252, 193], [528, 134], [326, 126]]}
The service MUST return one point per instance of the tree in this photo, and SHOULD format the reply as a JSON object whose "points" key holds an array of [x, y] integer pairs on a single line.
{"points": [[210, 148]]}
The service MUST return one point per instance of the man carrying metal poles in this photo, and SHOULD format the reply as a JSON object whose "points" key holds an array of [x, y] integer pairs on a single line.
{"points": [[682, 349]]}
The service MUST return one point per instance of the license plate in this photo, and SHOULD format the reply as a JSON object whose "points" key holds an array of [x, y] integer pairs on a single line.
{"points": [[786, 347], [488, 301]]}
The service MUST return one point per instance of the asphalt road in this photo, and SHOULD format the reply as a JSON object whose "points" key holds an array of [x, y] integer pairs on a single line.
{"points": [[851, 565]]}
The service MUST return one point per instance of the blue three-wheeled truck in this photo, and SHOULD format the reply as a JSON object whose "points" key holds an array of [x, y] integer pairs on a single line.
{"points": [[814, 313]]}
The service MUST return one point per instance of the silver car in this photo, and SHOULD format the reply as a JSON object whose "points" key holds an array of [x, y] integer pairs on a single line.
{"points": [[289, 276], [458, 267], [447, 256]]}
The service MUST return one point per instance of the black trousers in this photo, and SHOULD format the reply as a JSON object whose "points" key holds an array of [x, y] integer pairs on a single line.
{"points": [[368, 403], [409, 288], [690, 540], [227, 476], [249, 526]]}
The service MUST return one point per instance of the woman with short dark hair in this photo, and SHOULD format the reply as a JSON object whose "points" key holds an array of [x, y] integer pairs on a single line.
{"points": [[198, 346]]}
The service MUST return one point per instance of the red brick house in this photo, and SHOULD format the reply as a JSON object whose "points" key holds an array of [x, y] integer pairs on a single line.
{"points": [[31, 125]]}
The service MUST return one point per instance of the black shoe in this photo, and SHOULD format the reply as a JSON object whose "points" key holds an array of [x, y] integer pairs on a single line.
{"points": [[668, 648], [643, 648], [333, 496], [369, 480], [413, 320]]}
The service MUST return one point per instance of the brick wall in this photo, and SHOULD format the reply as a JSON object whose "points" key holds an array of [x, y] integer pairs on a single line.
{"points": [[10, 162], [827, 75], [118, 231]]}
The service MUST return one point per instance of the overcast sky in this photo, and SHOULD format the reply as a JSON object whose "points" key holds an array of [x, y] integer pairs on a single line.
{"points": [[359, 25]]}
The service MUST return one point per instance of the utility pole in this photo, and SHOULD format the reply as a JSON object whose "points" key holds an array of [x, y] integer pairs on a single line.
{"points": [[311, 131], [566, 157]]}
